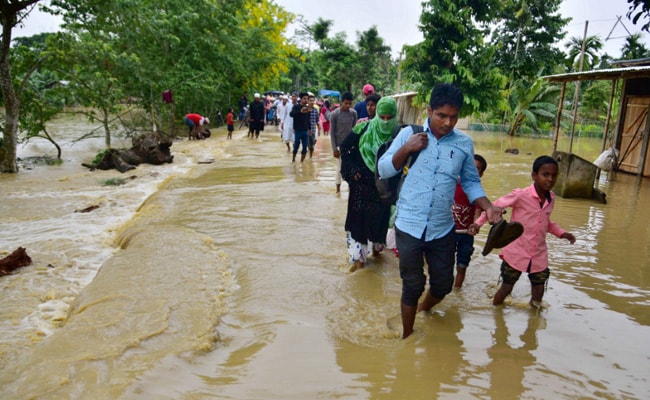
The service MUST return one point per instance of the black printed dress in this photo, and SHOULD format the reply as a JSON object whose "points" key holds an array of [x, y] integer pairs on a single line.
{"points": [[367, 217]]}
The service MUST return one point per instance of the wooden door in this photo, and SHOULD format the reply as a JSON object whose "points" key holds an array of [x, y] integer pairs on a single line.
{"points": [[634, 126]]}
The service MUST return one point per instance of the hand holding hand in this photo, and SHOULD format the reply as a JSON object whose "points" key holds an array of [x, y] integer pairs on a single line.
{"points": [[494, 214], [473, 229]]}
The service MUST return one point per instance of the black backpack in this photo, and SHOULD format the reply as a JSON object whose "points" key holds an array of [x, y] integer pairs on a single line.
{"points": [[389, 188]]}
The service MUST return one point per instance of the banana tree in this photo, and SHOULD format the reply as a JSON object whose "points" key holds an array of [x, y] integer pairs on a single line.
{"points": [[528, 102]]}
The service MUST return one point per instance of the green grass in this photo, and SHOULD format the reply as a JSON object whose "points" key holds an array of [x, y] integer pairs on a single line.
{"points": [[114, 182]]}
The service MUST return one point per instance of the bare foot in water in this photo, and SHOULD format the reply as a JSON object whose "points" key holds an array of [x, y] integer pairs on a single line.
{"points": [[357, 265]]}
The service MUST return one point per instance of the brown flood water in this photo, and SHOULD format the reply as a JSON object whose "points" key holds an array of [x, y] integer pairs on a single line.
{"points": [[227, 281]]}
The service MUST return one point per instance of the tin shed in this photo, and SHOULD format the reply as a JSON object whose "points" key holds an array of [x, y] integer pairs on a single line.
{"points": [[631, 132]]}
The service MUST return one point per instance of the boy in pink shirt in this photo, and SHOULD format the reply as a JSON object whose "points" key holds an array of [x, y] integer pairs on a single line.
{"points": [[532, 207]]}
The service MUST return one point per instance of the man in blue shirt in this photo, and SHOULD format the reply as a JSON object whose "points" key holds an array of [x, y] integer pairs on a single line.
{"points": [[360, 107], [424, 224]]}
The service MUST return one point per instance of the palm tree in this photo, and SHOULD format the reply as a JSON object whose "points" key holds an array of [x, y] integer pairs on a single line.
{"points": [[317, 32], [321, 29], [633, 48], [593, 46]]}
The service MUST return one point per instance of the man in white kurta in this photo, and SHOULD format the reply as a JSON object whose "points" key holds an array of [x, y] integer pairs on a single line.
{"points": [[286, 124]]}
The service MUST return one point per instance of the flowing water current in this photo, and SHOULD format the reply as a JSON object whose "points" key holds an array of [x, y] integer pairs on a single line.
{"points": [[224, 276]]}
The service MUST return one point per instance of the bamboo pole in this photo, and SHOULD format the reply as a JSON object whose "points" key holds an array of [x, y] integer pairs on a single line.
{"points": [[609, 113], [607, 121], [560, 108], [576, 97]]}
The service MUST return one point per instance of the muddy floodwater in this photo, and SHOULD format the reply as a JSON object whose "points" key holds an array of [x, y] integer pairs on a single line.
{"points": [[223, 276]]}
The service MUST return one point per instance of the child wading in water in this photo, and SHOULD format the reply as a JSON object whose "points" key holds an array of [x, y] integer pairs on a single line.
{"points": [[230, 121], [532, 207], [464, 215]]}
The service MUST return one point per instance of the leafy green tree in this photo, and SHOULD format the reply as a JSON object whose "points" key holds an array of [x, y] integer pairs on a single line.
{"points": [[34, 41], [594, 102], [303, 36], [303, 69], [375, 59], [93, 62], [208, 52], [11, 14], [97, 55], [525, 35], [633, 48], [265, 50], [42, 104], [642, 14], [337, 63], [43, 97], [454, 51]]}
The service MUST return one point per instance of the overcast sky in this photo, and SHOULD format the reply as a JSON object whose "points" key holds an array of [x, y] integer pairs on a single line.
{"points": [[397, 20]]}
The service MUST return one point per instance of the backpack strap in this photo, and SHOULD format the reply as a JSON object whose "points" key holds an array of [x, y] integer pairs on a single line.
{"points": [[414, 156], [415, 129]]}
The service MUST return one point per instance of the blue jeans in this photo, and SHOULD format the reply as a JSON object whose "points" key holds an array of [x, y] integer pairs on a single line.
{"points": [[300, 137], [464, 249], [189, 123], [439, 254]]}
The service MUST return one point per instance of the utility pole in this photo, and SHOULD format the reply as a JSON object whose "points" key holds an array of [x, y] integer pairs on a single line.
{"points": [[399, 72], [577, 93]]}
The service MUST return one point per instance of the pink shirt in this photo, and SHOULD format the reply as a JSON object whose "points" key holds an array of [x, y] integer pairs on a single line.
{"points": [[530, 247]]}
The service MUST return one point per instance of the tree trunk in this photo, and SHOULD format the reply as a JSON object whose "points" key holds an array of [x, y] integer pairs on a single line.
{"points": [[172, 113], [9, 12], [107, 128], [515, 125], [11, 102], [12, 110], [54, 143]]}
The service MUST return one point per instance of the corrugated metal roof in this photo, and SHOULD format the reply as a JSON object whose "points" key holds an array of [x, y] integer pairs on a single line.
{"points": [[636, 62], [602, 74]]}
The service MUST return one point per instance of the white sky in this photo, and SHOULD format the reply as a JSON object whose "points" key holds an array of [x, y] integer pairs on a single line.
{"points": [[397, 20]]}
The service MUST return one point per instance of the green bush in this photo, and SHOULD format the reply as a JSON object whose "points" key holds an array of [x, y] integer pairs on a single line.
{"points": [[114, 182], [99, 157], [591, 130]]}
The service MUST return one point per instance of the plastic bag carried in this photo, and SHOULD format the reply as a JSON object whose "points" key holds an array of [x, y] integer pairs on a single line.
{"points": [[607, 160]]}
